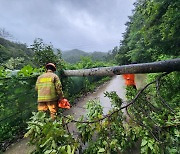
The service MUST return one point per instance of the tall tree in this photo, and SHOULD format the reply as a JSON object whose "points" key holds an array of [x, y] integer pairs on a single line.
{"points": [[44, 54], [152, 32]]}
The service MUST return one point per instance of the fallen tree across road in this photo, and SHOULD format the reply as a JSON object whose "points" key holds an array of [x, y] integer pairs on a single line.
{"points": [[154, 67]]}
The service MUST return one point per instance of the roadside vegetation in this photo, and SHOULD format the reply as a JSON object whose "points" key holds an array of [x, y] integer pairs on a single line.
{"points": [[153, 112], [17, 92]]}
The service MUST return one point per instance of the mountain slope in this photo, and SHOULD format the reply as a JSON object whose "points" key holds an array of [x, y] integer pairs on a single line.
{"points": [[73, 56], [10, 49]]}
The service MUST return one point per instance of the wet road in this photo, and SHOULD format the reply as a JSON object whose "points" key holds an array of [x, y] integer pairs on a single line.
{"points": [[20, 147], [116, 84]]}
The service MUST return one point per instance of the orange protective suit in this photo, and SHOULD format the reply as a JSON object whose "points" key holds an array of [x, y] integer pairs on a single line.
{"points": [[129, 79], [52, 106]]}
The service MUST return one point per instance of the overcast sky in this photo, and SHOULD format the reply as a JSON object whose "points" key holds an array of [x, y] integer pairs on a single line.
{"points": [[89, 25]]}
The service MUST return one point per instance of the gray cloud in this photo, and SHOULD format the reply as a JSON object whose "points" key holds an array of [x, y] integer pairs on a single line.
{"points": [[89, 25]]}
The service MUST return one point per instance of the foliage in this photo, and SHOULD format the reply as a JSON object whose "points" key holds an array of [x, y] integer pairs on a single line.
{"points": [[111, 54], [29, 71], [156, 113], [152, 126], [17, 101], [74, 56], [153, 122], [18, 98], [50, 136], [152, 31], [107, 135], [151, 35], [3, 72], [14, 55], [87, 62], [4, 55], [44, 54], [98, 56], [14, 63]]}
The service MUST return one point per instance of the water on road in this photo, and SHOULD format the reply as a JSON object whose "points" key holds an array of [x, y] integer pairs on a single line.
{"points": [[116, 84]]}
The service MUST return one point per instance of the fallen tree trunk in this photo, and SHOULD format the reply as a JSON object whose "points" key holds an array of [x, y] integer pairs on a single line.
{"points": [[154, 67]]}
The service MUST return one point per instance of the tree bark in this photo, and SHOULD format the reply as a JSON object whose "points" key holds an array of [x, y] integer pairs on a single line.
{"points": [[154, 67]]}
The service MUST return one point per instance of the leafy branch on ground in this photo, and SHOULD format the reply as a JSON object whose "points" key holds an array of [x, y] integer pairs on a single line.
{"points": [[117, 132]]}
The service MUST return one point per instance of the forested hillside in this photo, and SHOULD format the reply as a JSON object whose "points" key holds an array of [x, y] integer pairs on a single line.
{"points": [[152, 32], [14, 55], [73, 56]]}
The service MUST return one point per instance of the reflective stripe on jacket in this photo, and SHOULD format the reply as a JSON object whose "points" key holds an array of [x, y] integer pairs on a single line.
{"points": [[49, 87]]}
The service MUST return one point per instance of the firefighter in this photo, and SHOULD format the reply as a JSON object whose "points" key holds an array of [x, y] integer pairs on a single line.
{"points": [[49, 90], [129, 80]]}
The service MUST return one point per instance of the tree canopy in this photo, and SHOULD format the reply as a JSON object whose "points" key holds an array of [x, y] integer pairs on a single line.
{"points": [[152, 32]]}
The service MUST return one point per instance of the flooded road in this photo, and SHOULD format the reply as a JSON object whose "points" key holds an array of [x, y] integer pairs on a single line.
{"points": [[115, 84]]}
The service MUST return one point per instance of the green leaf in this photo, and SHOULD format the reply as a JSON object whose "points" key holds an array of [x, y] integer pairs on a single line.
{"points": [[50, 152], [101, 150], [150, 145], [69, 149], [144, 142]]}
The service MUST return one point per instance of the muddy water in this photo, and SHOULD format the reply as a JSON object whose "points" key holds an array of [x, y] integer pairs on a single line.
{"points": [[116, 84]]}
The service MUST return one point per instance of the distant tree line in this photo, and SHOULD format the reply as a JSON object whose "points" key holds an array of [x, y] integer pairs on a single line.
{"points": [[16, 55]]}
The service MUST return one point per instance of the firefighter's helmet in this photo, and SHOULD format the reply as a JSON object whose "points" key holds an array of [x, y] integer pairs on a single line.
{"points": [[52, 65]]}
